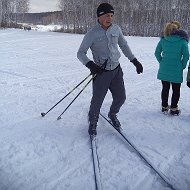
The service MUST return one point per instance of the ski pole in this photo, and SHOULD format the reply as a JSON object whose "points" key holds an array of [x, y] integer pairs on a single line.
{"points": [[76, 97], [43, 113]]}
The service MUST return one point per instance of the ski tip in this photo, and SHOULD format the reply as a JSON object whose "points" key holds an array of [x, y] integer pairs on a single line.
{"points": [[59, 118], [43, 114]]}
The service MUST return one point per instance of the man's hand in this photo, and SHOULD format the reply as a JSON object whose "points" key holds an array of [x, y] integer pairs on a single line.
{"points": [[138, 65], [94, 69]]}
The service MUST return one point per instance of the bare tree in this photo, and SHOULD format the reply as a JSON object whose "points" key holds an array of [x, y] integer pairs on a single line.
{"points": [[21, 6], [9, 7]]}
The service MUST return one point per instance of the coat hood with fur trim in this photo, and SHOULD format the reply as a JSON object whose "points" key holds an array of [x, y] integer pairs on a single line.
{"points": [[181, 33]]}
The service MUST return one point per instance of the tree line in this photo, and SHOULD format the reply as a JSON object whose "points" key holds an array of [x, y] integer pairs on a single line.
{"points": [[43, 18], [135, 17], [8, 8]]}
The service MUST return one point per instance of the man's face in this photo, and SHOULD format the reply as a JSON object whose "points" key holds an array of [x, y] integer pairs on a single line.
{"points": [[106, 20]]}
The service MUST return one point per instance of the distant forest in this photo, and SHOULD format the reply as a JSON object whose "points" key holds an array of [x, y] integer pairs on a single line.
{"points": [[44, 18], [135, 17], [8, 8]]}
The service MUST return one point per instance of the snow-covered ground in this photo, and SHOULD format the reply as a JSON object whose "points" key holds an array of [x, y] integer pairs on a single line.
{"points": [[42, 28], [45, 28], [36, 70]]}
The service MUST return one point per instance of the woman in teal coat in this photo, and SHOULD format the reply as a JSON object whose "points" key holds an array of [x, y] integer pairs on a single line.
{"points": [[172, 54]]}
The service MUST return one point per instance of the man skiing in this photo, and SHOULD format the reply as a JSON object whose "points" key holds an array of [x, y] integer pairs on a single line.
{"points": [[103, 40]]}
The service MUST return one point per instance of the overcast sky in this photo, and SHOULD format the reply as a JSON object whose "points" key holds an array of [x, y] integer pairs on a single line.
{"points": [[37, 6]]}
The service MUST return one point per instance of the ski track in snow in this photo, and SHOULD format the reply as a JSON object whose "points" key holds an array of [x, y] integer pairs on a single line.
{"points": [[36, 70]]}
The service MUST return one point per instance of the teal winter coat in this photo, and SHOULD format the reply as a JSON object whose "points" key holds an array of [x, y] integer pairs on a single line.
{"points": [[172, 54]]}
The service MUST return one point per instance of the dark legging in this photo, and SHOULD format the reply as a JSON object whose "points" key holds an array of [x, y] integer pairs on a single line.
{"points": [[175, 93]]}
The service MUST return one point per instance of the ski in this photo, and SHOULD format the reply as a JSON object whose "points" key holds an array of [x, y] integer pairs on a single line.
{"points": [[97, 177], [159, 173]]}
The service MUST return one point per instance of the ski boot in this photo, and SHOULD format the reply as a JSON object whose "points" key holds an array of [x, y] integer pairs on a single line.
{"points": [[115, 121]]}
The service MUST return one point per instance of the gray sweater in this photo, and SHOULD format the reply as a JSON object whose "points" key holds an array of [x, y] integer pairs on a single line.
{"points": [[104, 46]]}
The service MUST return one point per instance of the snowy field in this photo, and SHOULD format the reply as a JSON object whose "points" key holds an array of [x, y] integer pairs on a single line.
{"points": [[36, 70]]}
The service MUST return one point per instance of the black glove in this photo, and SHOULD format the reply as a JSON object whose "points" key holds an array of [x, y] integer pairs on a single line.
{"points": [[188, 84], [94, 69], [138, 65]]}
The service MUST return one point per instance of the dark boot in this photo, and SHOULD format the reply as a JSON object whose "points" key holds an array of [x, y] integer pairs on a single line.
{"points": [[175, 111], [114, 120], [92, 129], [165, 109]]}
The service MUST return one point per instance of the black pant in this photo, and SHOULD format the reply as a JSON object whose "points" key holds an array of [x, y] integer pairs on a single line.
{"points": [[175, 94], [108, 80]]}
